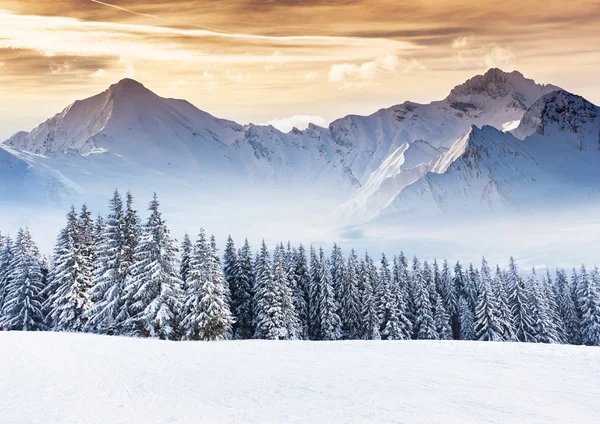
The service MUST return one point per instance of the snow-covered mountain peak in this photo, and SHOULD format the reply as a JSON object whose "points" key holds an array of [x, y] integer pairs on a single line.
{"points": [[558, 111], [495, 84]]}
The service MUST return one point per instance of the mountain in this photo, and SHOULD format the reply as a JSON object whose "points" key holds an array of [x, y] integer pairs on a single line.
{"points": [[128, 133], [552, 159]]}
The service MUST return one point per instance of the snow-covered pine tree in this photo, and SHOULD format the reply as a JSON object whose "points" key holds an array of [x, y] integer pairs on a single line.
{"points": [[370, 318], [449, 295], [242, 295], [131, 233], [350, 300], [107, 314], [403, 283], [566, 306], [328, 318], [297, 294], [442, 320], [424, 324], [314, 322], [153, 293], [574, 286], [99, 226], [549, 292], [505, 318], [87, 244], [588, 301], [301, 296], [519, 300], [544, 331], [466, 320], [428, 277], [230, 274], [437, 278], [338, 271], [71, 278], [487, 316], [270, 314], [186, 255], [285, 294], [391, 324], [23, 302], [206, 314], [458, 282], [6, 256]]}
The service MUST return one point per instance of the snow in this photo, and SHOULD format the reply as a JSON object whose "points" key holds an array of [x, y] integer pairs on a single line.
{"points": [[510, 125], [81, 378]]}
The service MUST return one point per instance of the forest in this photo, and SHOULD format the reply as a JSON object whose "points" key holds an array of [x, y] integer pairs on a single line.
{"points": [[119, 275]]}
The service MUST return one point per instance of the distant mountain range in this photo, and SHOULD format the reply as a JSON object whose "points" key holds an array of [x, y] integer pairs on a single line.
{"points": [[498, 142]]}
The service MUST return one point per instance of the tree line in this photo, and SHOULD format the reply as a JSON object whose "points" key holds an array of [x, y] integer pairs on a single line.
{"points": [[114, 275]]}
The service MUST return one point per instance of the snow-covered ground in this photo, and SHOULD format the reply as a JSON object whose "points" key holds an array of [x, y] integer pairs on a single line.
{"points": [[79, 378]]}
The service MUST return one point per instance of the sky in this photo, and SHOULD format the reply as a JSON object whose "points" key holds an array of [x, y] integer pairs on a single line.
{"points": [[285, 62]]}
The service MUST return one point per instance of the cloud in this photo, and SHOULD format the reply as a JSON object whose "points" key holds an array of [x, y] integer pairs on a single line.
{"points": [[98, 74], [311, 75], [276, 60], [210, 80], [129, 69], [237, 77], [499, 57], [460, 42], [52, 35], [299, 121], [60, 68], [362, 75]]}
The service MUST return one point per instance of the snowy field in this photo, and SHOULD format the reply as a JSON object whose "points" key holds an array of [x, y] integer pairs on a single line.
{"points": [[78, 378]]}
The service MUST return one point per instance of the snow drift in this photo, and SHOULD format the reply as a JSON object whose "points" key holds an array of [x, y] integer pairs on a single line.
{"points": [[75, 378]]}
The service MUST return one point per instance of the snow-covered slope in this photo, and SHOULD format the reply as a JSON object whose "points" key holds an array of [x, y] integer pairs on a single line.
{"points": [[80, 378], [555, 161], [173, 139], [24, 177]]}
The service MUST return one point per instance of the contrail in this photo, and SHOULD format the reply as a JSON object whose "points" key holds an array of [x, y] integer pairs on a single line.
{"points": [[147, 15]]}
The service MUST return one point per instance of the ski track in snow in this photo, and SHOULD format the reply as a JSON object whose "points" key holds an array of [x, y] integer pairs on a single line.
{"points": [[82, 378]]}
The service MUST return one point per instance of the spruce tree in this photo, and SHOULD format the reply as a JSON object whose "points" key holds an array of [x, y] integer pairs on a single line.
{"points": [[458, 283], [70, 279], [302, 292], [338, 271], [551, 296], [330, 324], [285, 294], [206, 314], [487, 316], [241, 295], [108, 314], [23, 302], [99, 227], [6, 256], [449, 295], [393, 325], [350, 300], [131, 234], [566, 306], [505, 318], [186, 256], [314, 323], [466, 319], [588, 301], [442, 320], [424, 323], [370, 318], [153, 292], [519, 299], [543, 326]]}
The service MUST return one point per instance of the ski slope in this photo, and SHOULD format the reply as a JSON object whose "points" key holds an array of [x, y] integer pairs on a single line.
{"points": [[82, 378]]}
